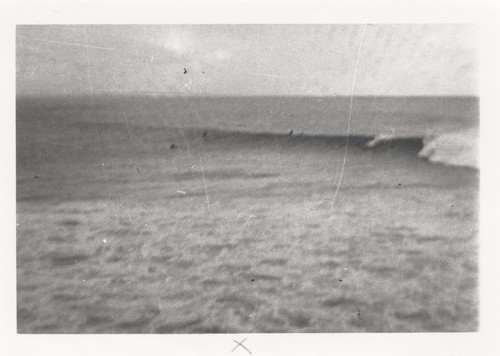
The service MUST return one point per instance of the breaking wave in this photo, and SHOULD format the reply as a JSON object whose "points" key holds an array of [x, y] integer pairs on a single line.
{"points": [[458, 148]]}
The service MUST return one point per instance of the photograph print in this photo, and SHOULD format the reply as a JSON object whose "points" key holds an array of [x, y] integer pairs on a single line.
{"points": [[193, 179]]}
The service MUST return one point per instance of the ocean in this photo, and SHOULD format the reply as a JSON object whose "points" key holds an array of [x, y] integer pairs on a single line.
{"points": [[151, 214]]}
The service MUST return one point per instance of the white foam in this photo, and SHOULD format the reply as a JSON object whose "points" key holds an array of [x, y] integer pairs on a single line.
{"points": [[459, 148], [380, 138]]}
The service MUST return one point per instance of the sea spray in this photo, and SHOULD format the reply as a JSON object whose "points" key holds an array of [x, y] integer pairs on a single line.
{"points": [[459, 148]]}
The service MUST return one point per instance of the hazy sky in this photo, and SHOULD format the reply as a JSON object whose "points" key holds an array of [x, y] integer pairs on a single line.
{"points": [[247, 59]]}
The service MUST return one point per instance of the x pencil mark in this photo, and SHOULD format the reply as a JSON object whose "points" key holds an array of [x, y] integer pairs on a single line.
{"points": [[241, 344]]}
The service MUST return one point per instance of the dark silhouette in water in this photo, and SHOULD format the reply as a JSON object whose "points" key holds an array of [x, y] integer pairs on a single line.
{"points": [[204, 134], [185, 71], [290, 133], [172, 146]]}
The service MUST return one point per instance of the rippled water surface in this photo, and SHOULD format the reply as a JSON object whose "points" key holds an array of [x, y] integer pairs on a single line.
{"points": [[126, 227]]}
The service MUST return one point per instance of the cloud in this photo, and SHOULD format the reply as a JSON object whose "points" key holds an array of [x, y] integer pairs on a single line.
{"points": [[178, 41], [184, 43]]}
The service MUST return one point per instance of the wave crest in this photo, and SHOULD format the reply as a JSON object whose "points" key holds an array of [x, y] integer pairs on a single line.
{"points": [[380, 138], [459, 148]]}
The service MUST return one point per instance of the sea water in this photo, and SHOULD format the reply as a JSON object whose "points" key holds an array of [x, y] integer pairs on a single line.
{"points": [[142, 214]]}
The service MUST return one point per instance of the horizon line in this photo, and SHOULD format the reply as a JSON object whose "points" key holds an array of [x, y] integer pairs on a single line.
{"points": [[181, 95]]}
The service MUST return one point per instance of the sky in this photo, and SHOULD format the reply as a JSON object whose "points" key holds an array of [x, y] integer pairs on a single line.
{"points": [[247, 59]]}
